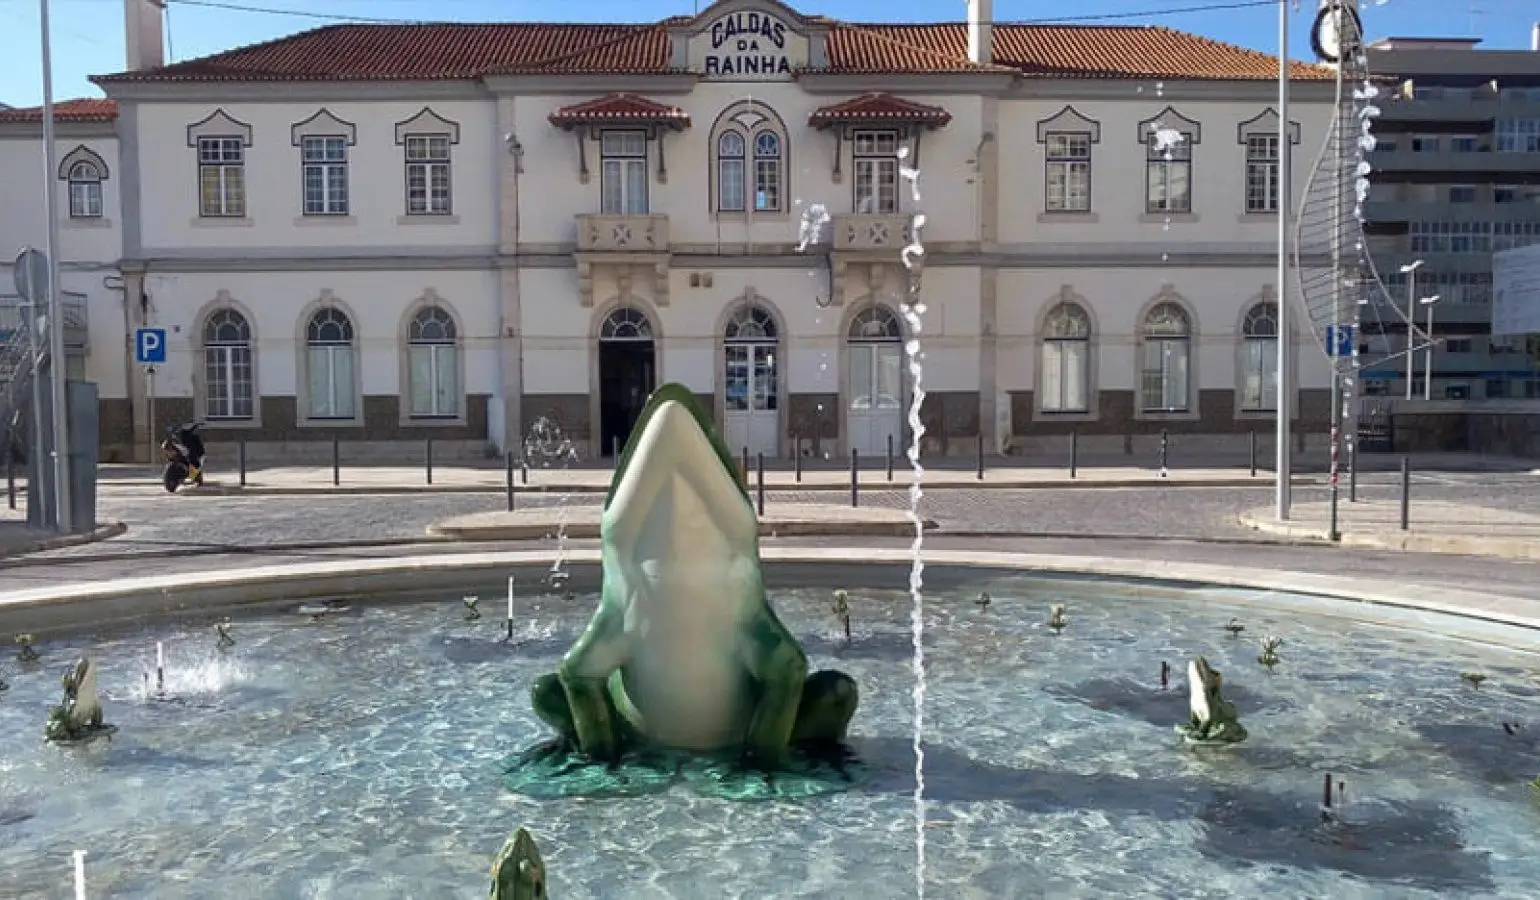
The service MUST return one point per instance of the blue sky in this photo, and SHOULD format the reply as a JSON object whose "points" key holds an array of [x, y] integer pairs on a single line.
{"points": [[88, 34]]}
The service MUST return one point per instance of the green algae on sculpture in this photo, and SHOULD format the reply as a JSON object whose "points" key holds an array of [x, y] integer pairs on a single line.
{"points": [[518, 872], [684, 655], [1213, 719], [79, 717]]}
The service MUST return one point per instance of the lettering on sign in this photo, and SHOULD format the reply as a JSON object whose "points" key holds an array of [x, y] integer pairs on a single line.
{"points": [[747, 44]]}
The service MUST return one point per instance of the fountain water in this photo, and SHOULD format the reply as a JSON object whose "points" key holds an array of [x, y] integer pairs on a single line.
{"points": [[546, 444]]}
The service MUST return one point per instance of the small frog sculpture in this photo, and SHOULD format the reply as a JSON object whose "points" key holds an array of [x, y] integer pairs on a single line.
{"points": [[517, 872], [839, 604], [222, 632], [1474, 679], [471, 612], [1213, 719], [1235, 627], [27, 654], [79, 717], [1057, 620], [983, 601], [1269, 656]]}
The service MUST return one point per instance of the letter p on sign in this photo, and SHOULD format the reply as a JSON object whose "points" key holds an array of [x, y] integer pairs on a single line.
{"points": [[150, 345]]}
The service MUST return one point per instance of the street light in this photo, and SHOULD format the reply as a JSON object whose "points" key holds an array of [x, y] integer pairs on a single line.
{"points": [[1410, 271], [1427, 372]]}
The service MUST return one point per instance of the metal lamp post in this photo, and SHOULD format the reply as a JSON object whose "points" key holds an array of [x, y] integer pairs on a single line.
{"points": [[1410, 271], [56, 368], [1282, 465], [1427, 371]]}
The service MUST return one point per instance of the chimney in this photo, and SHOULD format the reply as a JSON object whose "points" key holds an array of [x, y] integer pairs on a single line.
{"points": [[981, 17], [1534, 38], [145, 32]]}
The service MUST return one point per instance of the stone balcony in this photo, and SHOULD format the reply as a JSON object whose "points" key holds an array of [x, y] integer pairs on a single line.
{"points": [[604, 233]]}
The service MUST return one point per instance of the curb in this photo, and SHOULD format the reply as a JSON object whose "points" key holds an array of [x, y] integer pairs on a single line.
{"points": [[1407, 542], [59, 542], [590, 530], [218, 490], [62, 607]]}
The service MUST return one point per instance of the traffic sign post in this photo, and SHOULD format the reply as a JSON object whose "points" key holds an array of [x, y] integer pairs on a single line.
{"points": [[31, 275]]}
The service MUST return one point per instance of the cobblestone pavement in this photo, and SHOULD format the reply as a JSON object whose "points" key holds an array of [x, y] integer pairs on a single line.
{"points": [[1508, 577], [170, 523]]}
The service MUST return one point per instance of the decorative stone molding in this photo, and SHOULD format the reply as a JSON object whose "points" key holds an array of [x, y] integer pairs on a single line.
{"points": [[1069, 121], [627, 270], [1264, 122], [323, 124], [219, 124], [82, 154], [1169, 118], [427, 122]]}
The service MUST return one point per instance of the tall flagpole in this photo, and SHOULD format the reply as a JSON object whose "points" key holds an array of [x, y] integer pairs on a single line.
{"points": [[56, 365], [1282, 466]]}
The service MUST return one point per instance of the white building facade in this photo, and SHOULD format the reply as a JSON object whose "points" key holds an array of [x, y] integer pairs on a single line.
{"points": [[547, 221]]}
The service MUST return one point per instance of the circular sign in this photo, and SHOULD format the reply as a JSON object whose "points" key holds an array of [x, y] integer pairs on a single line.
{"points": [[1333, 22], [31, 275]]}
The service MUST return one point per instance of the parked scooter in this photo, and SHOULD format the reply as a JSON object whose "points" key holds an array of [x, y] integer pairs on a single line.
{"points": [[183, 448]]}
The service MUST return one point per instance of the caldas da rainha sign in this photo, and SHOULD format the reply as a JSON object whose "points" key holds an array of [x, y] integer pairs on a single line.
{"points": [[747, 46]]}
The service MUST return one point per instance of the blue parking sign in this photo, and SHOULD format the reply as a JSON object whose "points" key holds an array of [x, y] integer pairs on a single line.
{"points": [[150, 345], [1339, 340]]}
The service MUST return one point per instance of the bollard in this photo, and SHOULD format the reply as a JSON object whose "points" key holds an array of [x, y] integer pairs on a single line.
{"points": [[1253, 453], [1353, 472], [523, 470], [10, 478], [980, 454], [890, 457], [855, 478], [508, 473], [1406, 493], [1165, 444], [336, 462], [428, 459], [759, 480], [743, 467], [796, 460], [240, 460], [1074, 452]]}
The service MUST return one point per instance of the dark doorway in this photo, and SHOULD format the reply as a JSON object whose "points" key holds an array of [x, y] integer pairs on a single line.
{"points": [[626, 380]]}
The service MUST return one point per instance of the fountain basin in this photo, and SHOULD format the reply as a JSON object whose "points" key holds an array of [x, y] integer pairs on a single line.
{"points": [[582, 521], [359, 756]]}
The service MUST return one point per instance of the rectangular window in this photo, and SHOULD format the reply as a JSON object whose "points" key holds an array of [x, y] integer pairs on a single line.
{"points": [[227, 380], [1464, 145], [1383, 146], [221, 177], [1262, 173], [1516, 135], [876, 172], [1068, 187], [1424, 144], [1163, 382], [85, 199], [623, 173], [324, 173], [427, 175], [1168, 174], [1066, 371], [1463, 193]]}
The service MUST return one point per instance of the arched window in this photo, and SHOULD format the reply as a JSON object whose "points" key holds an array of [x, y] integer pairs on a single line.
{"points": [[1066, 359], [626, 324], [85, 185], [1165, 382], [876, 362], [1259, 359], [749, 147], [767, 172], [731, 166], [228, 388], [433, 359], [329, 356], [751, 357]]}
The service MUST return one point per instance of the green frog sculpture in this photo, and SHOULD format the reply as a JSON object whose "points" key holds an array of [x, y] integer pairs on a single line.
{"points": [[79, 718], [518, 872], [685, 655], [1213, 719]]}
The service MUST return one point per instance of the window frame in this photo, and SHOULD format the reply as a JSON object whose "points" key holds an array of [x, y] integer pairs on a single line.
{"points": [[1066, 162], [726, 197], [1177, 157], [436, 313], [1266, 167], [324, 167], [84, 190], [345, 392], [428, 165], [228, 356], [226, 172], [1150, 337], [877, 166], [1254, 333], [625, 160], [1075, 312]]}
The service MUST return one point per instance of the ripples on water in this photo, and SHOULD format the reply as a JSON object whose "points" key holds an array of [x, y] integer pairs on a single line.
{"points": [[358, 757]]}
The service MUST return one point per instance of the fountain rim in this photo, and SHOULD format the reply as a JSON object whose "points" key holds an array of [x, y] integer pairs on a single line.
{"points": [[59, 607]]}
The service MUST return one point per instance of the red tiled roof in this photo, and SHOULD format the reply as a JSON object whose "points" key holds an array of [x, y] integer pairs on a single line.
{"points": [[878, 108], [620, 108], [440, 52], [84, 109]]}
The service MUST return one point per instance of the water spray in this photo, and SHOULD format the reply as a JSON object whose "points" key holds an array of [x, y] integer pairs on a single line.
{"points": [[160, 668], [508, 636]]}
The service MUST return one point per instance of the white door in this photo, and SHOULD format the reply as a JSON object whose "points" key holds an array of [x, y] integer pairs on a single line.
{"points": [[752, 399], [876, 408]]}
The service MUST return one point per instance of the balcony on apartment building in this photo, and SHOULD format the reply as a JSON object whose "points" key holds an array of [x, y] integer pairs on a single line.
{"points": [[622, 233], [875, 233]]}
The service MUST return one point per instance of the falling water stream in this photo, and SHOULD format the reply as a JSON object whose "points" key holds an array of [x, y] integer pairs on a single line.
{"points": [[914, 311]]}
